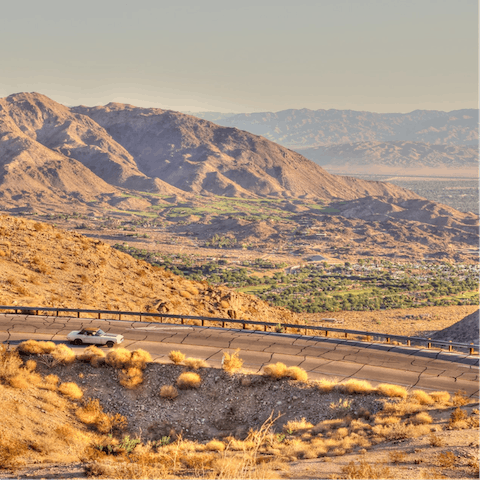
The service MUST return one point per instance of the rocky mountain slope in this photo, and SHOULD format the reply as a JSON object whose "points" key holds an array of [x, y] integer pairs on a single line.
{"points": [[417, 143], [165, 152], [44, 265]]}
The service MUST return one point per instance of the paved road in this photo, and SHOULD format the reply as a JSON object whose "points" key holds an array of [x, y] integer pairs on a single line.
{"points": [[319, 356]]}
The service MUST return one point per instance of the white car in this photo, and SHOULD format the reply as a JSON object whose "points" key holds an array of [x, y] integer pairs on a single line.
{"points": [[94, 336]]}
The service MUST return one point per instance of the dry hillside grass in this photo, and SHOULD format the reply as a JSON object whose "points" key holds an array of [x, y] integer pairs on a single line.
{"points": [[45, 266], [332, 431]]}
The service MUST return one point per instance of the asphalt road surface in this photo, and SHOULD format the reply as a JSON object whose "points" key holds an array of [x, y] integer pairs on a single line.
{"points": [[321, 357]]}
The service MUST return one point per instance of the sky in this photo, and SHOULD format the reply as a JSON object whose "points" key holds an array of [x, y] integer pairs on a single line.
{"points": [[244, 56]]}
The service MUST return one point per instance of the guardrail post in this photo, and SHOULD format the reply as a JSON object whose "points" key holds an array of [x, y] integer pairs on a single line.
{"points": [[472, 351], [223, 324], [244, 326], [388, 340], [203, 322], [346, 334], [119, 316], [78, 314], [326, 333], [36, 312], [408, 343], [450, 348], [99, 315], [56, 313], [429, 345], [183, 321]]}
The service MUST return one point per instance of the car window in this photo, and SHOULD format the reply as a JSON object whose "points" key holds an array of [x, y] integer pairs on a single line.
{"points": [[100, 332]]}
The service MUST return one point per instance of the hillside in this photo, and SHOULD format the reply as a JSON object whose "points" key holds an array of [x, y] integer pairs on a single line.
{"points": [[99, 150], [44, 265]]}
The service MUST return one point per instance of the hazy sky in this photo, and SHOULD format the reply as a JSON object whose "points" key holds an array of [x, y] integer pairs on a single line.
{"points": [[244, 56]]}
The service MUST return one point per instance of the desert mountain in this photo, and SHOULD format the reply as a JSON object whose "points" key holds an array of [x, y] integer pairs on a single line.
{"points": [[301, 128], [396, 158], [344, 141], [199, 156], [158, 151]]}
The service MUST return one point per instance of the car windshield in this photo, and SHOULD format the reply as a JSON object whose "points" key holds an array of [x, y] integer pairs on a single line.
{"points": [[100, 332]]}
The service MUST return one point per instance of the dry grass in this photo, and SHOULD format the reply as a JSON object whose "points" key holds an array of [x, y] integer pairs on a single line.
{"points": [[91, 413], [195, 363], [440, 397], [297, 426], [169, 392], [421, 397], [353, 386], [176, 357], [362, 469], [119, 358], [297, 373], [34, 347], [131, 377], [63, 354], [188, 380], [326, 385], [446, 460], [393, 391], [275, 370], [71, 390], [231, 363], [93, 355], [422, 418], [139, 359], [460, 398]]}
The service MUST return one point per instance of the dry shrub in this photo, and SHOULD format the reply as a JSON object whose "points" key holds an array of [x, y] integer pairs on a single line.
{"points": [[460, 398], [422, 418], [93, 355], [397, 456], [389, 420], [404, 407], [326, 385], [362, 469], [71, 390], [131, 377], [50, 382], [394, 391], [275, 370], [231, 363], [457, 416], [188, 380], [169, 392], [421, 397], [215, 446], [176, 357], [400, 431], [297, 373], [354, 386], [446, 460], [440, 397], [91, 413], [297, 426], [63, 354], [119, 358], [33, 347], [195, 363], [435, 440], [19, 381], [140, 358], [11, 451], [30, 365]]}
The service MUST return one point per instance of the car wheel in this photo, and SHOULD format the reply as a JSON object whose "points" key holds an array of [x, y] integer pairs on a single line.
{"points": [[110, 344], [77, 341]]}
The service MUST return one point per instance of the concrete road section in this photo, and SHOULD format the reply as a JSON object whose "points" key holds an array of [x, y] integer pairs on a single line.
{"points": [[321, 357]]}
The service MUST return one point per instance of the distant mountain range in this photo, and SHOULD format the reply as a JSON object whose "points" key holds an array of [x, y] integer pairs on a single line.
{"points": [[422, 142], [50, 153]]}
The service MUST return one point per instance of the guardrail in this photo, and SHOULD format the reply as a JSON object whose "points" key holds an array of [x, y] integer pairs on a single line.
{"points": [[279, 327]]}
